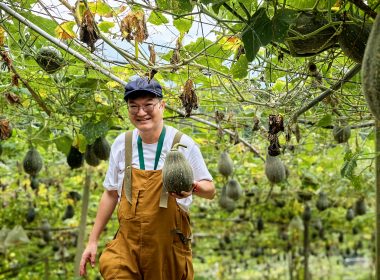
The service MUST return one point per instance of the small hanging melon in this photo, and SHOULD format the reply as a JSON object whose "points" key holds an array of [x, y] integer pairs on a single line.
{"points": [[101, 148], [74, 158], [233, 189], [90, 156], [274, 169], [50, 59], [341, 134], [32, 162], [177, 174], [371, 70], [225, 202], [225, 164]]}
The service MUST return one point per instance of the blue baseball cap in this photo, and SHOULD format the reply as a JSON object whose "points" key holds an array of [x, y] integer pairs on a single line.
{"points": [[142, 85]]}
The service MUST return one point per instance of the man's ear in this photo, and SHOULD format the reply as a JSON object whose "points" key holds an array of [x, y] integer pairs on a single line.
{"points": [[163, 104]]}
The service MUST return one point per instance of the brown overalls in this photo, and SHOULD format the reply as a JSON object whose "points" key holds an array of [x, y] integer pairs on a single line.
{"points": [[152, 242]]}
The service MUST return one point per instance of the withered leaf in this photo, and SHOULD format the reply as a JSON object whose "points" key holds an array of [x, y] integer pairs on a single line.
{"points": [[188, 97], [5, 129], [133, 27], [87, 31], [12, 98], [152, 55]]}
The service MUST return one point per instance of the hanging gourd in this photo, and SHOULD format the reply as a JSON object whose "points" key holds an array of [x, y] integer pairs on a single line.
{"points": [[225, 164], [177, 174]]}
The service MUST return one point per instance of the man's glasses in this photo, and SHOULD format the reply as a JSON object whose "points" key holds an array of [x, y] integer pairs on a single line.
{"points": [[134, 109]]}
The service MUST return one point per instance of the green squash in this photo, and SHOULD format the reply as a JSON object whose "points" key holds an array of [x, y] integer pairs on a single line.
{"points": [[233, 189], [74, 158], [274, 169], [341, 134], [225, 202], [50, 59], [370, 71], [101, 148], [225, 164], [90, 156], [177, 174], [32, 162]]}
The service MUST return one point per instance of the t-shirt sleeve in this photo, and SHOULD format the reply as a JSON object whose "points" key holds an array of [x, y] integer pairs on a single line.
{"points": [[198, 164], [111, 181]]}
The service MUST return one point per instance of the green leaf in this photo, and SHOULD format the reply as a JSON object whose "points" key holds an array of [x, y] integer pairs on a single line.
{"points": [[101, 8], [63, 143], [105, 26], [349, 165], [281, 22], [325, 121], [183, 25], [176, 6], [257, 33], [92, 130], [157, 18], [239, 69]]}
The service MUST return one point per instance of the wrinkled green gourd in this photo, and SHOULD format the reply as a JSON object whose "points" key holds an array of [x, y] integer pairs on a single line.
{"points": [[32, 162], [50, 59], [225, 164], [74, 158], [322, 202], [350, 214], [360, 207], [90, 156], [274, 169], [101, 148], [225, 202], [177, 174], [370, 72], [341, 134], [233, 189], [353, 39]]}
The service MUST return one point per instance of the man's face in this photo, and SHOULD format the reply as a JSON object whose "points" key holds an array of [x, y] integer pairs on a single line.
{"points": [[146, 113]]}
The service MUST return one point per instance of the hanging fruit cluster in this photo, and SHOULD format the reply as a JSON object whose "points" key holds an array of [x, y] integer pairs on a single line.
{"points": [[94, 153], [189, 98]]}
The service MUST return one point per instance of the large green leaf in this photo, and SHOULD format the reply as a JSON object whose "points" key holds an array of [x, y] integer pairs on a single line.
{"points": [[183, 25], [239, 69], [63, 143], [281, 22], [157, 18], [105, 26], [92, 130], [176, 6], [257, 33]]}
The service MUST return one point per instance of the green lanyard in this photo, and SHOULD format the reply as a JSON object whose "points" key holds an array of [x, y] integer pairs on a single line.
{"points": [[158, 151]]}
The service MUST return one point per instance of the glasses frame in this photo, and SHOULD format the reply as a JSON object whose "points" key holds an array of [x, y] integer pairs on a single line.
{"points": [[143, 107]]}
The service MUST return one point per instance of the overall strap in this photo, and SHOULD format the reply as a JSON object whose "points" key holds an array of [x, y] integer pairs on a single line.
{"points": [[164, 194], [128, 166]]}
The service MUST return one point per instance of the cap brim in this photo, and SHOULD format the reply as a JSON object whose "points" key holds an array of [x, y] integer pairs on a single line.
{"points": [[134, 93]]}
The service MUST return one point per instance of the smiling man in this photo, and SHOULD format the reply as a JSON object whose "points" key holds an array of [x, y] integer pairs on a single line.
{"points": [[154, 236]]}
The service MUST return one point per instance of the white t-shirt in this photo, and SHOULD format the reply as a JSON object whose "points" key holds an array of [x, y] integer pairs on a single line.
{"points": [[115, 173]]}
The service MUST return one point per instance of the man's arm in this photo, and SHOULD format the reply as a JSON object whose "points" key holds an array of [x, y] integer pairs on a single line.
{"points": [[205, 189], [106, 207]]}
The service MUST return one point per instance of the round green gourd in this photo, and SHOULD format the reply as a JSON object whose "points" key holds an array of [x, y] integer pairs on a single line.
{"points": [[353, 40], [90, 156], [101, 148], [225, 202], [225, 164], [274, 169], [360, 207], [32, 162], [50, 59], [74, 158], [322, 202], [177, 174], [233, 189], [370, 71], [341, 134]]}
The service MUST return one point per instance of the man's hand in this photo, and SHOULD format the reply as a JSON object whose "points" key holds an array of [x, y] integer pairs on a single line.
{"points": [[186, 194], [89, 255]]}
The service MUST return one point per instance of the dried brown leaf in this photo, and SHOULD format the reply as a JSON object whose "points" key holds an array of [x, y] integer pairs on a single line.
{"points": [[188, 97], [133, 27], [5, 129], [152, 55], [87, 32], [12, 98]]}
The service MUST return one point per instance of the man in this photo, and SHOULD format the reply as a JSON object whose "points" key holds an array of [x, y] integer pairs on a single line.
{"points": [[154, 236]]}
